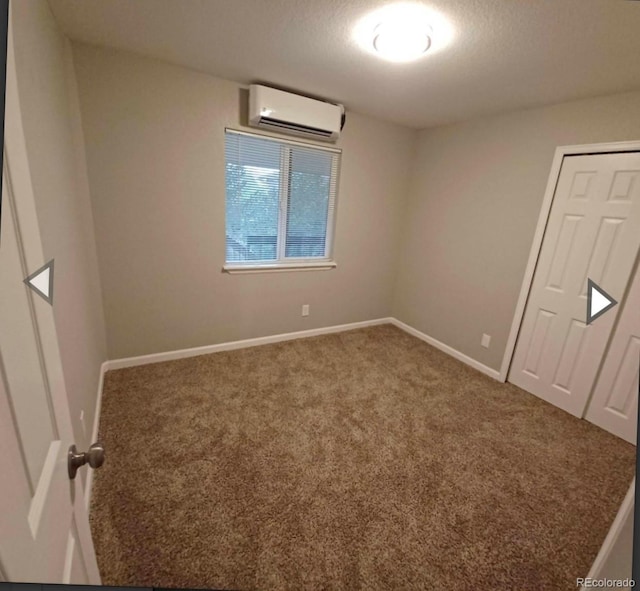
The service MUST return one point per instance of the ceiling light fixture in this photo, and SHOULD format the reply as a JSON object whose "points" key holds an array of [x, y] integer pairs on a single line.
{"points": [[401, 41], [403, 32]]}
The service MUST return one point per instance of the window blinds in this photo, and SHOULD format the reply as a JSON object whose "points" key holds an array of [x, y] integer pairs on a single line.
{"points": [[280, 199]]}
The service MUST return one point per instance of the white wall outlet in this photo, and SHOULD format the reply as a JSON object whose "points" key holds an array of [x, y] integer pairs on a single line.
{"points": [[305, 310], [486, 339], [84, 427]]}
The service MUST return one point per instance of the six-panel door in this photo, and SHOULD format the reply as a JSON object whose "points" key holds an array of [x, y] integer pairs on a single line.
{"points": [[593, 232]]}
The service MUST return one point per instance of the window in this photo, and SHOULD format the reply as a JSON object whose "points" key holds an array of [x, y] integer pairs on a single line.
{"points": [[280, 202]]}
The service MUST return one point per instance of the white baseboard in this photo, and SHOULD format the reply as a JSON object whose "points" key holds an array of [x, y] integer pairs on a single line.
{"points": [[485, 369], [230, 346], [195, 351]]}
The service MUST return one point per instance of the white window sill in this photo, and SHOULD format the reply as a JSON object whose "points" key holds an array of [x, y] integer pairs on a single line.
{"points": [[280, 267]]}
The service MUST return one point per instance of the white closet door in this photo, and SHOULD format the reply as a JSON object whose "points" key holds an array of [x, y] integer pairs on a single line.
{"points": [[614, 405], [593, 232]]}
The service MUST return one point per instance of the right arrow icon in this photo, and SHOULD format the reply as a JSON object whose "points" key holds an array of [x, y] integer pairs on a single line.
{"points": [[598, 301]]}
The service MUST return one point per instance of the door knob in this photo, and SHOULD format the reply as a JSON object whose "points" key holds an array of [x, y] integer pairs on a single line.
{"points": [[94, 457]]}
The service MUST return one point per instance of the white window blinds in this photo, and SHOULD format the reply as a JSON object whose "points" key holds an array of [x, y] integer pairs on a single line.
{"points": [[280, 199]]}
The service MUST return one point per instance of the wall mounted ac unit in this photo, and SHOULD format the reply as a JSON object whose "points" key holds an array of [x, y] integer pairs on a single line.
{"points": [[293, 114]]}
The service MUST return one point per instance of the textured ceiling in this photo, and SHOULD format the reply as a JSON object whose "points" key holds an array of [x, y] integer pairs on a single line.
{"points": [[504, 54]]}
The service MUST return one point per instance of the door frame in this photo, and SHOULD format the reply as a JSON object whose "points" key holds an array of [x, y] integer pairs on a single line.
{"points": [[538, 237]]}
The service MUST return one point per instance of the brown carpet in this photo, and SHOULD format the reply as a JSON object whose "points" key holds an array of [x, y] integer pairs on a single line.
{"points": [[360, 460]]}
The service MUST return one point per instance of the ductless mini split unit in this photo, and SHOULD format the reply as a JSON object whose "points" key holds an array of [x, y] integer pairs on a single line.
{"points": [[294, 114]]}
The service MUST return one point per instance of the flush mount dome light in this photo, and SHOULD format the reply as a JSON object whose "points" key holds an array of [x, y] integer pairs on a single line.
{"points": [[399, 41], [403, 32]]}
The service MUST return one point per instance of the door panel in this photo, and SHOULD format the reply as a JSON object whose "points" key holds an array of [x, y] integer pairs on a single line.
{"points": [[614, 405], [41, 503], [24, 373], [75, 569], [593, 232], [42, 509]]}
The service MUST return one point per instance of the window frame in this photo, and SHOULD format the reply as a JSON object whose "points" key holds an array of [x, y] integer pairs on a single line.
{"points": [[283, 263]]}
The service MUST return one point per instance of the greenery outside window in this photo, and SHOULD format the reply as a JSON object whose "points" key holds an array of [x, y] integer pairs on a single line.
{"points": [[280, 202]]}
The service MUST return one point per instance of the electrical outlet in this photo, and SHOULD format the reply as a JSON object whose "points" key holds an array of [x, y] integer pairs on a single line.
{"points": [[305, 310], [486, 339]]}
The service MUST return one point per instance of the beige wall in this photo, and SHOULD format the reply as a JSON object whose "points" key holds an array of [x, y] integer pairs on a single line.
{"points": [[155, 153], [436, 232], [472, 210], [54, 141]]}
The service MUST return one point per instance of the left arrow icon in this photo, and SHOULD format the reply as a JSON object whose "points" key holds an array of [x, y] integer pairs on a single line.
{"points": [[41, 281]]}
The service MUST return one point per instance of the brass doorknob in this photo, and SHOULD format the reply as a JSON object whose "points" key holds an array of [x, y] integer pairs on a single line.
{"points": [[94, 457]]}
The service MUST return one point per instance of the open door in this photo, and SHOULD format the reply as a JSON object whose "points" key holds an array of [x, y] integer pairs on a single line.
{"points": [[44, 526]]}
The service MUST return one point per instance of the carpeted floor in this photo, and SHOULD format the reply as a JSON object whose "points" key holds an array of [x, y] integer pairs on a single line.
{"points": [[359, 460]]}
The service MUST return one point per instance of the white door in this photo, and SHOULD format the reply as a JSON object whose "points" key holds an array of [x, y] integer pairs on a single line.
{"points": [[614, 405], [593, 232], [44, 527]]}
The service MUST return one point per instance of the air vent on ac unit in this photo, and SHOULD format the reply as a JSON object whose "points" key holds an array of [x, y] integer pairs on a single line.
{"points": [[294, 114]]}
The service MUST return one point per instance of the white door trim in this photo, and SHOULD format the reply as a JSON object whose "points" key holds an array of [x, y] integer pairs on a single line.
{"points": [[538, 236]]}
